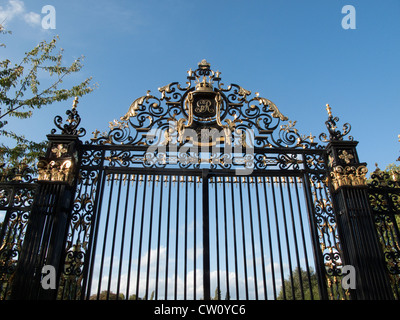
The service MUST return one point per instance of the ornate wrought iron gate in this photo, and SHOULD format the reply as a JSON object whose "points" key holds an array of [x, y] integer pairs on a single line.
{"points": [[206, 192]]}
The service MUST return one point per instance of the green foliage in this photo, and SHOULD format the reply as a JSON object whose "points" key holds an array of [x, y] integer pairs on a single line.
{"points": [[389, 177], [390, 174], [113, 296], [217, 294], [105, 295], [21, 93], [298, 286]]}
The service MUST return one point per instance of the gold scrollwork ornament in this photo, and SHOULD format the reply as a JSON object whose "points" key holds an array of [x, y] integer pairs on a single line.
{"points": [[348, 176]]}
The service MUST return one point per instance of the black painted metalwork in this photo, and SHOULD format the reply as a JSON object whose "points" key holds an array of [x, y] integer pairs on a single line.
{"points": [[384, 195], [149, 144], [207, 192], [16, 202], [357, 232]]}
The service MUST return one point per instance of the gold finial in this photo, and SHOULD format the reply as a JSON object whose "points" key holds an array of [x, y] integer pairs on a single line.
{"points": [[204, 64], [95, 134], [75, 103], [328, 108]]}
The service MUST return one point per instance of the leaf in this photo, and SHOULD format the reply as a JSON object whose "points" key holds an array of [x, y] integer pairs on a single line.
{"points": [[21, 92]]}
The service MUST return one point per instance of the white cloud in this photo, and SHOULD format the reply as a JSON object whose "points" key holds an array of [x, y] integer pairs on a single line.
{"points": [[16, 9], [32, 18], [13, 8]]}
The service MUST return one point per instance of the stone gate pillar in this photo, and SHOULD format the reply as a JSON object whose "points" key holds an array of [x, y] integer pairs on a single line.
{"points": [[357, 232], [48, 222]]}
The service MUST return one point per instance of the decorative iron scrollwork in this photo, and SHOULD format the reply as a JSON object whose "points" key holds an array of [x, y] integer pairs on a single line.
{"points": [[73, 121], [203, 104], [328, 235], [384, 198], [16, 200], [21, 173], [331, 124]]}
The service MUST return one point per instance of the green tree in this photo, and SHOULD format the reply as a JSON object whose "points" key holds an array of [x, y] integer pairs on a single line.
{"points": [[391, 174], [111, 296], [21, 93], [299, 284], [217, 294]]}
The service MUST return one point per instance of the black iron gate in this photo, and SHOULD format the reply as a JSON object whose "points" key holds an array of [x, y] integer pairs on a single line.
{"points": [[177, 236], [384, 196], [209, 195], [207, 192]]}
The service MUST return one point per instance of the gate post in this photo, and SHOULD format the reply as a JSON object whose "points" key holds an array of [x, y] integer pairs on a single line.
{"points": [[49, 219], [357, 232]]}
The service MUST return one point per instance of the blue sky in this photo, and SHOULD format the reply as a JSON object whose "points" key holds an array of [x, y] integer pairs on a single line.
{"points": [[294, 53]]}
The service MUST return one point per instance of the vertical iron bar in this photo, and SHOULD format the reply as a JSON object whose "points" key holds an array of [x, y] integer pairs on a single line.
{"points": [[105, 238], [92, 242], [206, 236], [141, 238], [295, 240], [114, 235], [71, 234], [168, 226], [271, 254], [159, 236], [176, 241], [96, 214], [243, 241], [279, 240], [194, 238], [303, 240], [150, 236], [286, 237], [217, 240], [132, 234], [318, 256], [234, 238], [261, 241], [88, 266], [226, 242], [252, 239], [185, 252], [123, 236]]}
